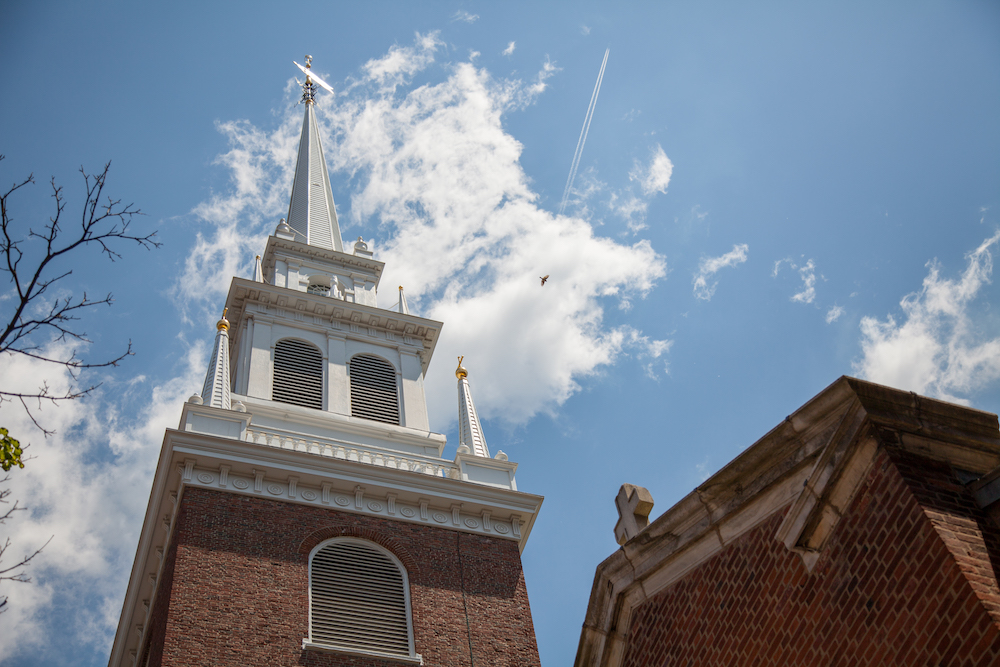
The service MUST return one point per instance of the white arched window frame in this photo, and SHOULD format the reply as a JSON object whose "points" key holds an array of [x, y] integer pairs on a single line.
{"points": [[320, 283], [375, 391], [298, 373], [356, 604]]}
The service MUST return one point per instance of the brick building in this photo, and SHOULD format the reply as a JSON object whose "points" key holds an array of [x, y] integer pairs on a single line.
{"points": [[302, 513], [860, 531]]}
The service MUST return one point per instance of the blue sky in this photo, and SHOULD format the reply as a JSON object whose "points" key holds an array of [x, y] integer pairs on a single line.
{"points": [[770, 196]]}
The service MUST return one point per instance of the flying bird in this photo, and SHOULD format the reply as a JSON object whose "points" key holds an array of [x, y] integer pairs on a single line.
{"points": [[544, 278]]}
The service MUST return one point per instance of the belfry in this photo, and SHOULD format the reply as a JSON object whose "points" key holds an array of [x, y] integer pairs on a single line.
{"points": [[303, 512]]}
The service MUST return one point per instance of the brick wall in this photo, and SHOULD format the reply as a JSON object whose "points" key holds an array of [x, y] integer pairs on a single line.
{"points": [[906, 579], [237, 577]]}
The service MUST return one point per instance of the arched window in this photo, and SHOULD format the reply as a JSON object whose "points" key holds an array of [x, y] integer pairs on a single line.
{"points": [[373, 389], [359, 599], [298, 374], [319, 284]]}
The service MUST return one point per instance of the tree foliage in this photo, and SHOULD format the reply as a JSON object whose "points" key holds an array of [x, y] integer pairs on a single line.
{"points": [[10, 451]]}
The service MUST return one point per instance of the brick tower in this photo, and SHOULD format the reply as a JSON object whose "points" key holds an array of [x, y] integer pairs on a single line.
{"points": [[302, 513]]}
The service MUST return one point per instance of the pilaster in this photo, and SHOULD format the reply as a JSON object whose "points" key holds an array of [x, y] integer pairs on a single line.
{"points": [[338, 386], [259, 380]]}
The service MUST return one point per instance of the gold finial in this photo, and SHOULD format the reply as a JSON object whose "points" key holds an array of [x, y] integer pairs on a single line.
{"points": [[309, 62], [223, 324], [460, 372]]}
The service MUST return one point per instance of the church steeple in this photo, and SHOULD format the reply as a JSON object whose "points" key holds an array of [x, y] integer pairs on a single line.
{"points": [[470, 433], [216, 390], [326, 425], [311, 212]]}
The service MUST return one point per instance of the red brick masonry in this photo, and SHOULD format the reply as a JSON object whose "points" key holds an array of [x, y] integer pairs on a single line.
{"points": [[236, 584], [908, 578]]}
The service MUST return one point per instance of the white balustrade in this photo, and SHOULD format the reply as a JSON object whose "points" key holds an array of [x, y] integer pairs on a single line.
{"points": [[334, 450]]}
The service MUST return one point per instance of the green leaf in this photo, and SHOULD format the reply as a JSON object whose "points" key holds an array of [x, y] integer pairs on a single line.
{"points": [[10, 451]]}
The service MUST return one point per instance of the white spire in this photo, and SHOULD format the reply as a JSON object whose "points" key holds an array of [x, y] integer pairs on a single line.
{"points": [[258, 271], [216, 390], [311, 211], [470, 433], [403, 308]]}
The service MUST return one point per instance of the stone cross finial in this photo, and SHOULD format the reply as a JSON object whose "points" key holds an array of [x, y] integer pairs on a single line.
{"points": [[634, 504]]}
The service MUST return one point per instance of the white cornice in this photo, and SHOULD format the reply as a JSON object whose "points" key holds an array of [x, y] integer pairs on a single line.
{"points": [[408, 333], [409, 486]]}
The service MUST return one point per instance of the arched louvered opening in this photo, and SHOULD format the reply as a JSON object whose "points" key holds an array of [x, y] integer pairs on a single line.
{"points": [[373, 389], [359, 599], [298, 374]]}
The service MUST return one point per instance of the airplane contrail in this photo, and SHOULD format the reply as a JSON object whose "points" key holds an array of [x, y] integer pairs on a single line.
{"points": [[583, 134]]}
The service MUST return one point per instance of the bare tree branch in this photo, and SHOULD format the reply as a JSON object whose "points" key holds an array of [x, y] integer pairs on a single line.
{"points": [[18, 571], [30, 260]]}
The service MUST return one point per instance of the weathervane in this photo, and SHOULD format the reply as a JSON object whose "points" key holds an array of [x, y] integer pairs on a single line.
{"points": [[309, 87]]}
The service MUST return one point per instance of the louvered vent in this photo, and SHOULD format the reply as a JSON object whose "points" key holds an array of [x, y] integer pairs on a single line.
{"points": [[298, 374], [373, 389], [358, 599]]}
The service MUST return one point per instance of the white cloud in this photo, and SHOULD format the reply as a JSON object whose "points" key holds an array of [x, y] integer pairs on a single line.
{"points": [[943, 346], [584, 30], [656, 176], [538, 87], [461, 229], [834, 314], [629, 205], [468, 240], [703, 469], [510, 49], [401, 62], [85, 487], [709, 266], [630, 208], [464, 17], [237, 223], [808, 275]]}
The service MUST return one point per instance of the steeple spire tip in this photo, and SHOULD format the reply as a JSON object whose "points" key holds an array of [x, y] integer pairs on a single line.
{"points": [[311, 212]]}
